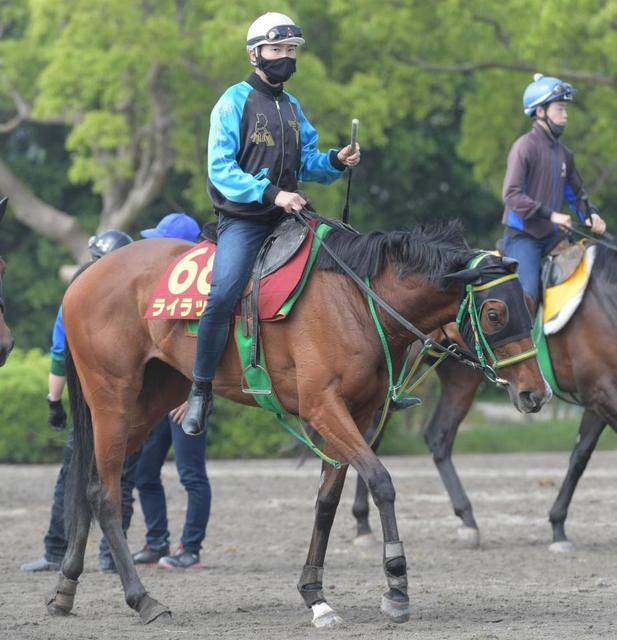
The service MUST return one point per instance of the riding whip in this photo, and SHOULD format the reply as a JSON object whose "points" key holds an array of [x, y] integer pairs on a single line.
{"points": [[354, 135]]}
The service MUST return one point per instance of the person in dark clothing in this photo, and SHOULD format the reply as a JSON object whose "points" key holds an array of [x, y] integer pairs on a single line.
{"points": [[144, 469], [55, 541], [541, 175], [260, 145]]}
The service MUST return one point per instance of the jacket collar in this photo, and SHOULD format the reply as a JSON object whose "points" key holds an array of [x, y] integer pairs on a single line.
{"points": [[543, 133], [263, 87]]}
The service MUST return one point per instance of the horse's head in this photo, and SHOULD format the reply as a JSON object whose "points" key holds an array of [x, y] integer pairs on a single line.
{"points": [[494, 322], [6, 340]]}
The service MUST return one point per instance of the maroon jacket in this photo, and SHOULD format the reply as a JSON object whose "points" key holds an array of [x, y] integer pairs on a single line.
{"points": [[540, 175]]}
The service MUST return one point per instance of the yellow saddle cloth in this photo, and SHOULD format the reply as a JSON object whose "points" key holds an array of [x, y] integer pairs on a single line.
{"points": [[562, 300]]}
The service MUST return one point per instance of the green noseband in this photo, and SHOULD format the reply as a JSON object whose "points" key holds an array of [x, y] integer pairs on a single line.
{"points": [[468, 310]]}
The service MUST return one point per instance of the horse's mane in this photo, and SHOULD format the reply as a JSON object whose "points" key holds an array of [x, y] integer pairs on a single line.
{"points": [[605, 264], [430, 251]]}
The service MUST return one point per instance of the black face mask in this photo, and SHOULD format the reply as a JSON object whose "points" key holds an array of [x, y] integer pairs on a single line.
{"points": [[277, 70], [556, 129]]}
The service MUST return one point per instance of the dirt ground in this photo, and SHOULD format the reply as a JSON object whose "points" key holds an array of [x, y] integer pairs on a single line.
{"points": [[511, 587]]}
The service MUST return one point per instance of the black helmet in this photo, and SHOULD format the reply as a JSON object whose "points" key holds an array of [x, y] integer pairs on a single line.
{"points": [[103, 243]]}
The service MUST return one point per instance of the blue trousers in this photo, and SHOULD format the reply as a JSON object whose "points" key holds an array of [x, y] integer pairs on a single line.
{"points": [[239, 241], [529, 252], [145, 472]]}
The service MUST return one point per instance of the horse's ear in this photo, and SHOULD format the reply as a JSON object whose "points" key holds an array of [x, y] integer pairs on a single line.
{"points": [[466, 276], [3, 204], [510, 264]]}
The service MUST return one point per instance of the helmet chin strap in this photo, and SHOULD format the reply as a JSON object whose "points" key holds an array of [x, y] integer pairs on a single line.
{"points": [[554, 128]]}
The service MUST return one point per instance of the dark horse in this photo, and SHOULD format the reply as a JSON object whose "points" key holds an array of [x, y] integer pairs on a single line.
{"points": [[6, 340], [326, 364], [584, 355]]}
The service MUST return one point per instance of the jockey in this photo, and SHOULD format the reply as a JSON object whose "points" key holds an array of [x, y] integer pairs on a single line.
{"points": [[260, 145], [55, 540], [540, 175]]}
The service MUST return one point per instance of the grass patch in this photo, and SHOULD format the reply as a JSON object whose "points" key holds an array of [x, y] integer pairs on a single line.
{"points": [[507, 437]]}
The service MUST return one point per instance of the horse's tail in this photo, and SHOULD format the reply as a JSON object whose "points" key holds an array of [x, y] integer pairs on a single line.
{"points": [[81, 467]]}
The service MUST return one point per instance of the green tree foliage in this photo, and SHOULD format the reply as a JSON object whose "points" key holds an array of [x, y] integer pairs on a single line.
{"points": [[236, 431], [103, 101], [24, 434]]}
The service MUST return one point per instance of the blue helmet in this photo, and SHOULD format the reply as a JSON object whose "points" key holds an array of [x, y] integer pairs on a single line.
{"points": [[544, 90]]}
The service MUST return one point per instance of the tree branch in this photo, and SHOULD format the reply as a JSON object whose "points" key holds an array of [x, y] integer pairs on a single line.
{"points": [[469, 68], [24, 112], [39, 216], [21, 106], [156, 159], [502, 34]]}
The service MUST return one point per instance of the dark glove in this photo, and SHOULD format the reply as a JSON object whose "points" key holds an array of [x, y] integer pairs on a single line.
{"points": [[56, 418]]}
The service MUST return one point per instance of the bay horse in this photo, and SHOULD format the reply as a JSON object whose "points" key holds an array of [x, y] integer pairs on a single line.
{"points": [[6, 340], [584, 356], [326, 364]]}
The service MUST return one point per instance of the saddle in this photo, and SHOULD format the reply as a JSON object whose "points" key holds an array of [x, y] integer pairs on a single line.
{"points": [[278, 248], [561, 262]]}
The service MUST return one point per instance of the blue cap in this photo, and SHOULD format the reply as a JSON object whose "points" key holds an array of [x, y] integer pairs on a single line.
{"points": [[174, 225]]}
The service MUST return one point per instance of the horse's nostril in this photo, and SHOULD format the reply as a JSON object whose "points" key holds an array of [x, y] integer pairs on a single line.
{"points": [[531, 400]]}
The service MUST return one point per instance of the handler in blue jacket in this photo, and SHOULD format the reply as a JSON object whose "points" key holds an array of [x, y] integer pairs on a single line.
{"points": [[260, 145]]}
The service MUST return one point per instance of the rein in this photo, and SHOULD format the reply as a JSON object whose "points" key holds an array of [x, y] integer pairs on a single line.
{"points": [[404, 384], [453, 350], [609, 243]]}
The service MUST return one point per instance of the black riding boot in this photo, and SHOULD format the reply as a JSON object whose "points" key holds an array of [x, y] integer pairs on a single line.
{"points": [[200, 405]]}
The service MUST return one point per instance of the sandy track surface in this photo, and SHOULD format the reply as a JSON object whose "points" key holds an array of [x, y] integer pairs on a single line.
{"points": [[511, 587]]}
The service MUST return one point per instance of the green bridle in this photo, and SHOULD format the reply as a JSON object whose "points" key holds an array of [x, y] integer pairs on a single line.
{"points": [[485, 354]]}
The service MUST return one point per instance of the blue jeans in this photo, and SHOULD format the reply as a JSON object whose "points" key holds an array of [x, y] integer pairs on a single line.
{"points": [[55, 540], [239, 241], [529, 252], [190, 453]]}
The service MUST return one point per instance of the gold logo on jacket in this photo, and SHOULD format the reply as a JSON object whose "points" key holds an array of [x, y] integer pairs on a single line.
{"points": [[260, 134], [295, 125]]}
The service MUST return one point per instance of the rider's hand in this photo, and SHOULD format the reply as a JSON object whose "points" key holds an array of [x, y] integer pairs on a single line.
{"points": [[56, 418], [596, 223], [562, 219], [177, 414], [290, 201], [348, 157]]}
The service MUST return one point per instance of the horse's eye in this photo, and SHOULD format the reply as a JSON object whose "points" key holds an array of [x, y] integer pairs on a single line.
{"points": [[493, 316]]}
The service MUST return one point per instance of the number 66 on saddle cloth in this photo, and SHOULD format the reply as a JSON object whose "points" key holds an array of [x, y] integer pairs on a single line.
{"points": [[182, 292]]}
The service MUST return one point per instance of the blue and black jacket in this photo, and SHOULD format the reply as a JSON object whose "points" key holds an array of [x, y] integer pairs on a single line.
{"points": [[261, 143]]}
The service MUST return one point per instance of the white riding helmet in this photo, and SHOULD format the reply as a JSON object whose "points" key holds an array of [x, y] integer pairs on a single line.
{"points": [[273, 28]]}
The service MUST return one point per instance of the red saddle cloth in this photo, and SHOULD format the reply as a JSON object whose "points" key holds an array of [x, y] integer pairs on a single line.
{"points": [[182, 292]]}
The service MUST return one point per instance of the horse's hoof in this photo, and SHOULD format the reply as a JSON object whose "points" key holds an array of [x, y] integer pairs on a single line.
{"points": [[563, 546], [55, 609], [150, 610], [395, 605], [365, 540], [59, 601], [469, 537], [324, 616]]}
